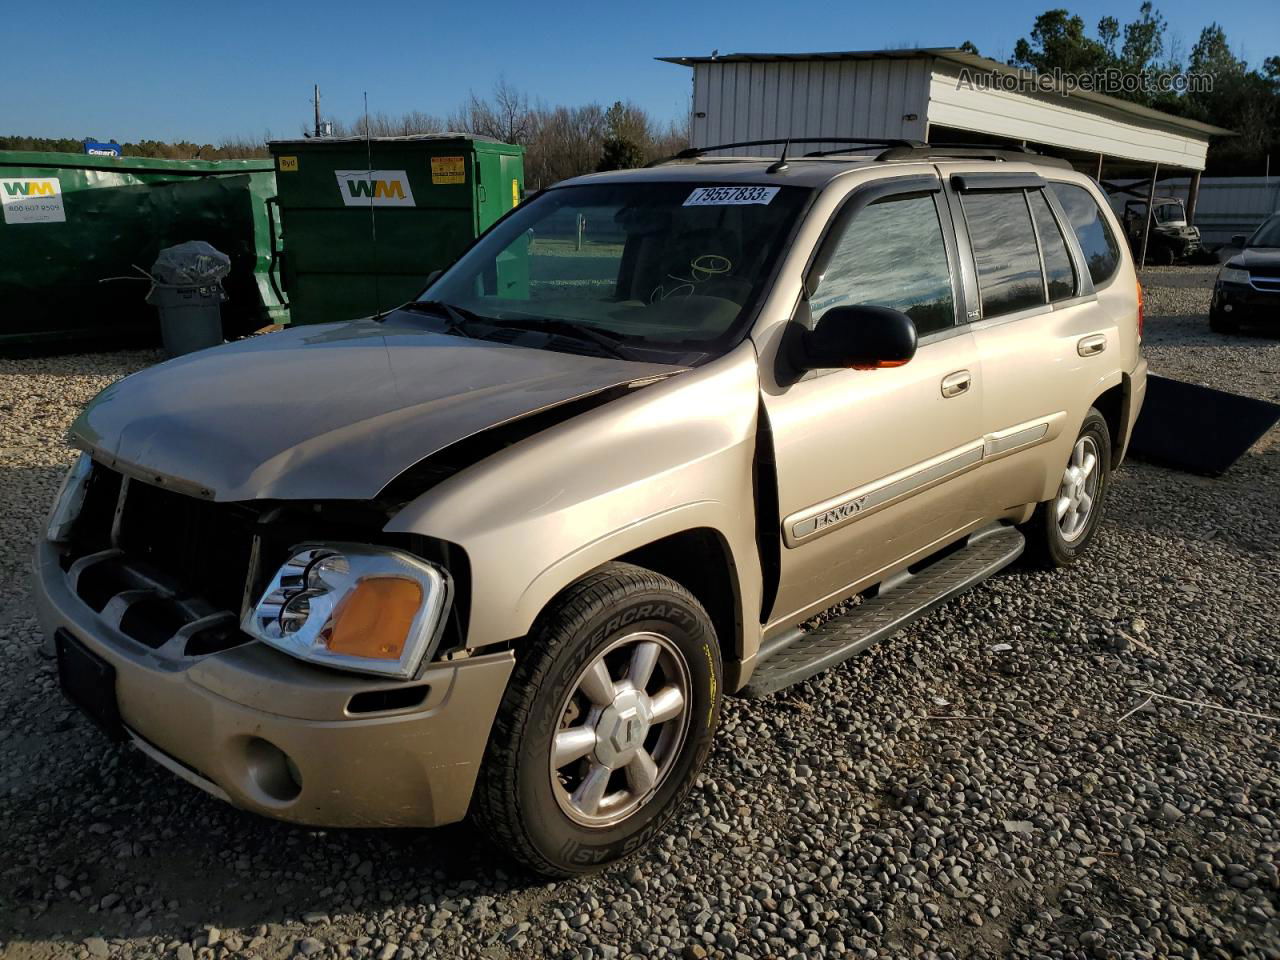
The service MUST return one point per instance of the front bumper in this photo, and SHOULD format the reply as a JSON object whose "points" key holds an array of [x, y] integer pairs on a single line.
{"points": [[222, 722], [1246, 303]]}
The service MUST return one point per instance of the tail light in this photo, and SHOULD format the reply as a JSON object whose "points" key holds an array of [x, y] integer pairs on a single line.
{"points": [[1140, 312]]}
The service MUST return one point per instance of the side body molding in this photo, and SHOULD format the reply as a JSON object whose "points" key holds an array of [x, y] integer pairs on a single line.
{"points": [[855, 504]]}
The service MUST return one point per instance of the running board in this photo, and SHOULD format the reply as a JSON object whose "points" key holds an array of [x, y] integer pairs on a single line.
{"points": [[799, 655]]}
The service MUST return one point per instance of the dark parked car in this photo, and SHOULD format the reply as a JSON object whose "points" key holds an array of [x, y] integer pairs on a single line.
{"points": [[1248, 285]]}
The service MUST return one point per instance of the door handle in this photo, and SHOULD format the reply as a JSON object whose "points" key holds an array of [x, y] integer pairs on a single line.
{"points": [[954, 384], [1091, 346]]}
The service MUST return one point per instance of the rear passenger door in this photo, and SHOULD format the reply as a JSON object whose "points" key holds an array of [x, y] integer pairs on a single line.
{"points": [[1040, 335]]}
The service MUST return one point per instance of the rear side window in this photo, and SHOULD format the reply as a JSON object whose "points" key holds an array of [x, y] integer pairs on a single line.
{"points": [[1058, 271], [892, 255], [1101, 251], [1004, 251]]}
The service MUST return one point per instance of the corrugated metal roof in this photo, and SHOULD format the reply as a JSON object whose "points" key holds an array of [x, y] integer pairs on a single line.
{"points": [[964, 58]]}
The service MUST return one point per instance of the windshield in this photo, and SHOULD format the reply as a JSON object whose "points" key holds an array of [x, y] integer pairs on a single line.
{"points": [[1267, 235], [1170, 212], [672, 267]]}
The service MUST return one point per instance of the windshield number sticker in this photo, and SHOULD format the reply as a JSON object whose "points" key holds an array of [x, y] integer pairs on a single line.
{"points": [[730, 196]]}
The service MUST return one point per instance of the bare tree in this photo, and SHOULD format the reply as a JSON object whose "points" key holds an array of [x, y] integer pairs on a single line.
{"points": [[507, 117], [382, 125], [566, 142], [674, 137]]}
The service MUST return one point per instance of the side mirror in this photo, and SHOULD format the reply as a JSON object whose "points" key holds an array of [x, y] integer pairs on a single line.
{"points": [[432, 277], [862, 337], [1239, 239]]}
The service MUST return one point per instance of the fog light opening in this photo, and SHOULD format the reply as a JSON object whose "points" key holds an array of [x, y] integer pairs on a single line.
{"points": [[272, 770]]}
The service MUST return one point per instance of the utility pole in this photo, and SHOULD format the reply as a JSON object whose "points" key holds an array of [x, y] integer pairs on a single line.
{"points": [[316, 97]]}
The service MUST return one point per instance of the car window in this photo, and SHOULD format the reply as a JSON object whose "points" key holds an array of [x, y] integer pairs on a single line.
{"points": [[1267, 235], [1058, 271], [1004, 251], [1101, 251], [671, 266], [892, 254]]}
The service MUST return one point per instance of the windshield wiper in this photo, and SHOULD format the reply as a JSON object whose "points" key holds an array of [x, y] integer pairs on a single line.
{"points": [[457, 317], [609, 342]]}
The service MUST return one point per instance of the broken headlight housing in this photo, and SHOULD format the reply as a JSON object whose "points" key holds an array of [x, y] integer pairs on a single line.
{"points": [[70, 499], [355, 607]]}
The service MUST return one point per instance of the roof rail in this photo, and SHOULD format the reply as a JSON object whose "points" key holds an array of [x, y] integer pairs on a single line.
{"points": [[892, 149], [972, 151], [693, 153]]}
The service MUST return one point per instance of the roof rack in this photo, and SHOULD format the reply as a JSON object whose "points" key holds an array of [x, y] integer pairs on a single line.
{"points": [[693, 153], [972, 151], [892, 149]]}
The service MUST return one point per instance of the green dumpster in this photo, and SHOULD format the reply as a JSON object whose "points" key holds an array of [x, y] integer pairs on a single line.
{"points": [[72, 223], [365, 222]]}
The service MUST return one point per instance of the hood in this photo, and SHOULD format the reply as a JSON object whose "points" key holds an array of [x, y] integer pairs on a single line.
{"points": [[328, 412], [1253, 257]]}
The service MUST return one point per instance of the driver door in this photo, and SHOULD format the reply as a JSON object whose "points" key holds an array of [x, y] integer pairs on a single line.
{"points": [[876, 465]]}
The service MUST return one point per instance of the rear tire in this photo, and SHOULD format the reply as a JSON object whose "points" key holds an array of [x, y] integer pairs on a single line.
{"points": [[1061, 529], [586, 763]]}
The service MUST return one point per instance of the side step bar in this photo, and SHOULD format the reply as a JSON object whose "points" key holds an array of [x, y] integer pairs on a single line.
{"points": [[799, 655]]}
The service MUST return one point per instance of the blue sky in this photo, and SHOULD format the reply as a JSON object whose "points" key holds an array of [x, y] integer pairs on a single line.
{"points": [[176, 70]]}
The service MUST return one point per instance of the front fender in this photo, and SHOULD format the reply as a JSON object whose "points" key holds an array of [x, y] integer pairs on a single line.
{"points": [[536, 516]]}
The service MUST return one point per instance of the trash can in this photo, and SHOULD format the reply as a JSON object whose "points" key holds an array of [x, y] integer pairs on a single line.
{"points": [[186, 289]]}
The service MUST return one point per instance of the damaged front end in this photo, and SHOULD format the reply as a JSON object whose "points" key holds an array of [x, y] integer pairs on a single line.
{"points": [[240, 652], [180, 572]]}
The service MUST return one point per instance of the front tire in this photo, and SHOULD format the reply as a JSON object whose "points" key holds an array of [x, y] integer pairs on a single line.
{"points": [[1061, 529], [607, 719]]}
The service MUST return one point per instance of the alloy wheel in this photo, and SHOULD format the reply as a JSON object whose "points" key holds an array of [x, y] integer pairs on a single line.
{"points": [[1079, 490], [622, 726]]}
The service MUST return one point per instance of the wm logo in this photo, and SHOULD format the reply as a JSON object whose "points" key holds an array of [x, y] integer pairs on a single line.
{"points": [[32, 200], [375, 188], [29, 188]]}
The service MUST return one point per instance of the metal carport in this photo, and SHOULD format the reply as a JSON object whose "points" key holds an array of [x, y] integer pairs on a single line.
{"points": [[939, 95]]}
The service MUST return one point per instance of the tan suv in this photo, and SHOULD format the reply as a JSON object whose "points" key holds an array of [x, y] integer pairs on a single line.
{"points": [[505, 549]]}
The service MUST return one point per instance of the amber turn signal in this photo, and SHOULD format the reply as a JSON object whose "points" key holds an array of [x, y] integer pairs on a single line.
{"points": [[1141, 312], [373, 620]]}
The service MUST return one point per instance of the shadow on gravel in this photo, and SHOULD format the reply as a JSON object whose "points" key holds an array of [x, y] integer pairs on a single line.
{"points": [[1159, 336], [154, 857], [25, 495]]}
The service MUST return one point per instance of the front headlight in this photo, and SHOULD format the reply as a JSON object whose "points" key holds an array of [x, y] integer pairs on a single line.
{"points": [[1233, 275], [70, 498], [356, 607]]}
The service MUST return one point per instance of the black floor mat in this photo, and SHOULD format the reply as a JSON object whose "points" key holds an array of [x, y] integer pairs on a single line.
{"points": [[1198, 429]]}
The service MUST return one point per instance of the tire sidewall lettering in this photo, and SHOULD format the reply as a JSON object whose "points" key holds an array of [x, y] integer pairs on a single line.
{"points": [[584, 847]]}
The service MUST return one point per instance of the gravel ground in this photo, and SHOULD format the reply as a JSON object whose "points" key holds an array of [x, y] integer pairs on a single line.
{"points": [[946, 795]]}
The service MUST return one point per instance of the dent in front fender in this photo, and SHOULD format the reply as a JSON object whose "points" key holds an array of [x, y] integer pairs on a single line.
{"points": [[535, 517]]}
